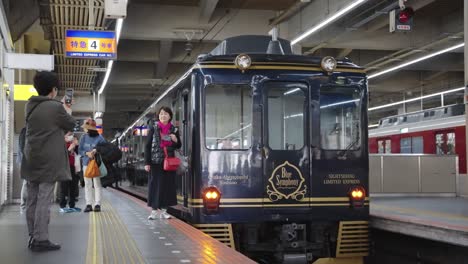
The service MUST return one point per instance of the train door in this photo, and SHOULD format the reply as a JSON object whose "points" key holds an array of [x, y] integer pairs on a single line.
{"points": [[182, 120], [445, 143], [384, 145], [286, 161]]}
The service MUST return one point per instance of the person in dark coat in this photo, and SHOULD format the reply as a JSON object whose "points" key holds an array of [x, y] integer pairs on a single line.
{"points": [[45, 158], [68, 188], [161, 183]]}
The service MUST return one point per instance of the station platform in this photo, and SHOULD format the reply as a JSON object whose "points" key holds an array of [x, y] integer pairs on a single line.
{"points": [[120, 233], [443, 219]]}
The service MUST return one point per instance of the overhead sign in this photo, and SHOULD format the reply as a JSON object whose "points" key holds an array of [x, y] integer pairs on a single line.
{"points": [[90, 44], [29, 61], [24, 92]]}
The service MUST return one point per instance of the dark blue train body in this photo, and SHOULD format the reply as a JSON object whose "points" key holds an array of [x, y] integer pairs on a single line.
{"points": [[277, 151]]}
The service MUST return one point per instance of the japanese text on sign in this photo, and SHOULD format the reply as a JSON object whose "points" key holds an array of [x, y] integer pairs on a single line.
{"points": [[90, 44]]}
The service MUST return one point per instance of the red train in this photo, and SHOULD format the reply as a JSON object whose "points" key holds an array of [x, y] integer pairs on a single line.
{"points": [[433, 131]]}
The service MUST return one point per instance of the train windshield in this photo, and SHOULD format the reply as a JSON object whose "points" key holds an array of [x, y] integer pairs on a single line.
{"points": [[340, 118], [228, 116]]}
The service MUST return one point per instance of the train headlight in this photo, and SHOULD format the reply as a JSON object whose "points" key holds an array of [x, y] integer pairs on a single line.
{"points": [[357, 196], [328, 64], [211, 198], [243, 62]]}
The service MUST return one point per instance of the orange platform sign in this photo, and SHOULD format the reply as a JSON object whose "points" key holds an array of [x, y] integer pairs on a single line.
{"points": [[90, 44]]}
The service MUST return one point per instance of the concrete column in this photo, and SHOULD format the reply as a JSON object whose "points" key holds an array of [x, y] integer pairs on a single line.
{"points": [[465, 25]]}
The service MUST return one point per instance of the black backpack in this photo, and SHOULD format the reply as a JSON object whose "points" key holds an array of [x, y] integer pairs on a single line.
{"points": [[22, 135], [109, 152]]}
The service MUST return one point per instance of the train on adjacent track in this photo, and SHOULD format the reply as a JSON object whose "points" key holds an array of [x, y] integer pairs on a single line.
{"points": [[438, 131], [276, 149]]}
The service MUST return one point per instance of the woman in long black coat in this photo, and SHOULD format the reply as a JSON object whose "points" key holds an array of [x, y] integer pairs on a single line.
{"points": [[161, 183]]}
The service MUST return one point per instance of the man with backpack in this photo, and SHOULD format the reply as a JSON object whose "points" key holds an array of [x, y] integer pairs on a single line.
{"points": [[45, 158]]}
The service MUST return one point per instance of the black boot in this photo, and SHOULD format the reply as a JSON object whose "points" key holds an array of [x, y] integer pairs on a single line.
{"points": [[46, 245]]}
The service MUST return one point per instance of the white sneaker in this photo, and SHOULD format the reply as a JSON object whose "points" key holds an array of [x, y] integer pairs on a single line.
{"points": [[153, 215], [165, 215]]}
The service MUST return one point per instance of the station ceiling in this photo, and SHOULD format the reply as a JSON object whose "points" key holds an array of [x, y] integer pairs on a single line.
{"points": [[162, 38]]}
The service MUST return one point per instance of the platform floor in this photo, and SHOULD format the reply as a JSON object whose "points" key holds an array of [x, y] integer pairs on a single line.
{"points": [[442, 219], [120, 233]]}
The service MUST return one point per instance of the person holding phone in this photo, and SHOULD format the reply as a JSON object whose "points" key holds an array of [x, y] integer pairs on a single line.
{"points": [[45, 160], [161, 183], [69, 96]]}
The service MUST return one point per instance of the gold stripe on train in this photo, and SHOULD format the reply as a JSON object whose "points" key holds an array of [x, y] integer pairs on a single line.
{"points": [[276, 67], [266, 200], [256, 63], [276, 205]]}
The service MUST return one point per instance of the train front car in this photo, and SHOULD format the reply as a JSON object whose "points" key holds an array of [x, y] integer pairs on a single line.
{"points": [[283, 152]]}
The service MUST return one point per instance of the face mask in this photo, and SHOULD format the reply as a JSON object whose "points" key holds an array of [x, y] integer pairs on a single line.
{"points": [[69, 138]]}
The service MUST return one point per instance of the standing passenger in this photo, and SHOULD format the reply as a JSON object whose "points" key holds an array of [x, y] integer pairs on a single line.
{"points": [[87, 149], [161, 184], [45, 159], [68, 188], [77, 165]]}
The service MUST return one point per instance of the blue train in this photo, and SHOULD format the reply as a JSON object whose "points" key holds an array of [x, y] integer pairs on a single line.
{"points": [[276, 151]]}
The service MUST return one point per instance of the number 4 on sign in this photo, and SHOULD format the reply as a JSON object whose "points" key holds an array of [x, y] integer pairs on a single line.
{"points": [[93, 44]]}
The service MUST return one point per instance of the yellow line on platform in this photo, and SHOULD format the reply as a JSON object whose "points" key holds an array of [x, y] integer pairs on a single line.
{"points": [[107, 236], [125, 234], [110, 240]]}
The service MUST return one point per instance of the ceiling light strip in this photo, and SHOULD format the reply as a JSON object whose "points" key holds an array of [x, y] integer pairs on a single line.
{"points": [[118, 30], [415, 99], [327, 21], [416, 60]]}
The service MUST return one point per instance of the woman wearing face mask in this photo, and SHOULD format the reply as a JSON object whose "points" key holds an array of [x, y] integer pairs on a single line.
{"points": [[68, 187], [161, 183], [87, 149]]}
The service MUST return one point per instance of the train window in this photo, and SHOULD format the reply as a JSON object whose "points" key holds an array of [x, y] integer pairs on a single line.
{"points": [[340, 118], [385, 146], [177, 118], [228, 116], [445, 143], [286, 104], [412, 145]]}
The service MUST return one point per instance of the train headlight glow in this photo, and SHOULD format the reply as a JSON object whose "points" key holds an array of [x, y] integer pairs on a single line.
{"points": [[211, 199], [357, 196], [243, 62], [211, 195], [328, 64]]}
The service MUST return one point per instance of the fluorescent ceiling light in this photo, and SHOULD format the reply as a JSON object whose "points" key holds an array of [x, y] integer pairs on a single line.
{"points": [[416, 99], [340, 103], [118, 30], [106, 77], [159, 99], [327, 21], [292, 91], [416, 60]]}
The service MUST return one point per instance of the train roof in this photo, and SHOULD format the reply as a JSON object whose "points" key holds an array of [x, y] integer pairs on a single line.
{"points": [[432, 114], [256, 47]]}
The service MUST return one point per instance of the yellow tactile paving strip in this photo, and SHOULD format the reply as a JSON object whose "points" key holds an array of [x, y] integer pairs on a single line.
{"points": [[109, 240]]}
